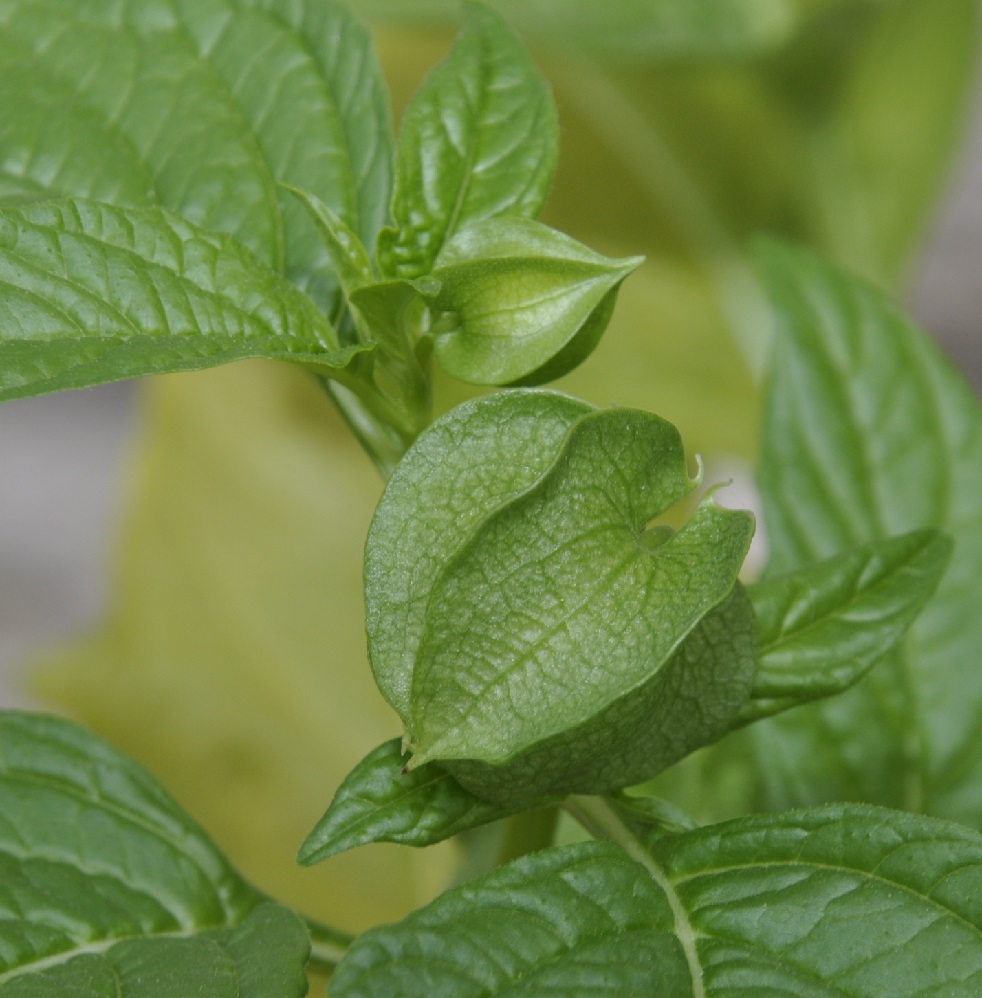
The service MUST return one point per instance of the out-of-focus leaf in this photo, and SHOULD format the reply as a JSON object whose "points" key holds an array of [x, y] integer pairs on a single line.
{"points": [[380, 801], [839, 900], [822, 627], [869, 431], [94, 293], [107, 887], [478, 140], [630, 30], [232, 662]]}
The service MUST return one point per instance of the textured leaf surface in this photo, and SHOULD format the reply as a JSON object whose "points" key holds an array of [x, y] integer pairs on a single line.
{"points": [[561, 578], [869, 432], [201, 106], [93, 293], [820, 629], [380, 802], [431, 506], [478, 140], [523, 302], [107, 887], [838, 900]]}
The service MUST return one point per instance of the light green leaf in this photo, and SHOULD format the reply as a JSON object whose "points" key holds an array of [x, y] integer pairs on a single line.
{"points": [[821, 628], [461, 469], [839, 900], [521, 301], [486, 615], [478, 140], [107, 886], [869, 431], [380, 801], [202, 106], [93, 293]]}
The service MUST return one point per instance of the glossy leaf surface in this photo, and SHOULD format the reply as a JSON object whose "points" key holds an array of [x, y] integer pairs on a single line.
{"points": [[869, 432], [107, 887], [521, 301], [478, 140], [839, 900], [380, 801], [93, 293], [820, 629]]}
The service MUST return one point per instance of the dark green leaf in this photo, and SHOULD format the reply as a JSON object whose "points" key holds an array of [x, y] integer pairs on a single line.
{"points": [[868, 432], [380, 802], [821, 628], [478, 140], [106, 887], [843, 900], [521, 302], [93, 293]]}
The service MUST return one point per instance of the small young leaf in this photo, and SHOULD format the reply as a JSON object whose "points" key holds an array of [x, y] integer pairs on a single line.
{"points": [[93, 293], [868, 432], [822, 628], [380, 802], [107, 887], [522, 302], [847, 899], [478, 140]]}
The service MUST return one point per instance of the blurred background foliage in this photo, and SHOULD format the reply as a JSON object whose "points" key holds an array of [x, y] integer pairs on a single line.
{"points": [[232, 659]]}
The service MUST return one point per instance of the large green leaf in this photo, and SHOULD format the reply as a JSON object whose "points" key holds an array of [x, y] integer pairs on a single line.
{"points": [[94, 293], [869, 431], [478, 140], [107, 887], [839, 900], [202, 107], [821, 628]]}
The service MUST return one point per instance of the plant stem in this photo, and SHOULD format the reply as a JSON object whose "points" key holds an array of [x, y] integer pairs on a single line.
{"points": [[327, 946], [528, 832], [598, 818]]}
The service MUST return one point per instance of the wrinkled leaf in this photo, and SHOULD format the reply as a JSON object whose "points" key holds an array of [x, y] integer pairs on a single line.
{"points": [[839, 900], [868, 432], [93, 293], [478, 140], [521, 302], [380, 801], [425, 514], [821, 628], [107, 886]]}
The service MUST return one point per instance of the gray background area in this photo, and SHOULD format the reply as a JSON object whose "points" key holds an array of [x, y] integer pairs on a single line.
{"points": [[62, 457]]}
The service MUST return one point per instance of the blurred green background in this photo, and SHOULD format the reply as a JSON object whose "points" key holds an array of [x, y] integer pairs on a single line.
{"points": [[229, 654]]}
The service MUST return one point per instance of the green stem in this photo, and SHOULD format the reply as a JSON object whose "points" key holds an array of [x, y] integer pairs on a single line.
{"points": [[528, 832], [327, 946]]}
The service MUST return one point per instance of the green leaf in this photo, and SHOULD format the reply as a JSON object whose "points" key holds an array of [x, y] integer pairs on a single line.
{"points": [[107, 886], [869, 431], [202, 106], [521, 302], [632, 30], [461, 469], [509, 554], [93, 293], [839, 900], [478, 140], [380, 801], [823, 627]]}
